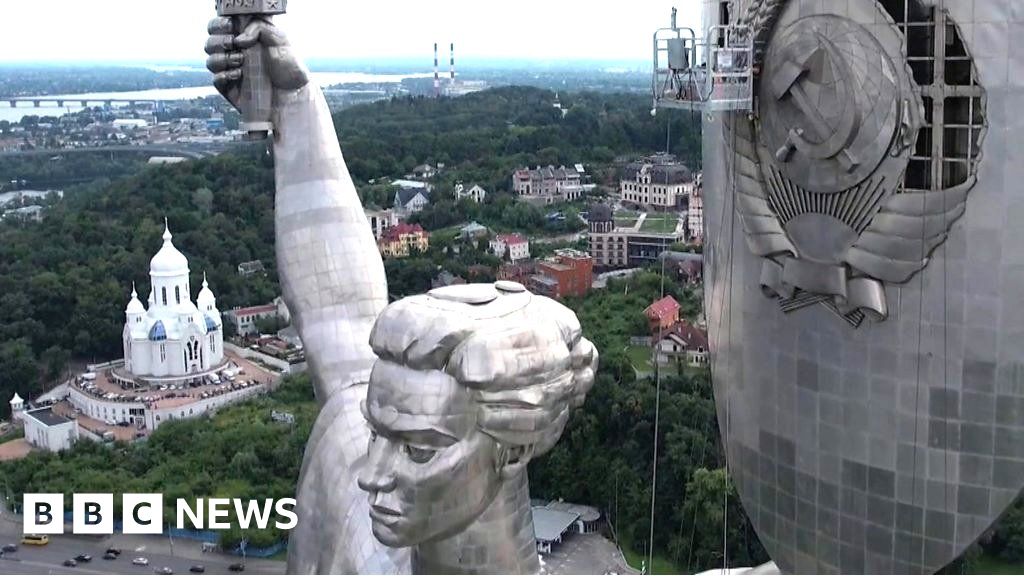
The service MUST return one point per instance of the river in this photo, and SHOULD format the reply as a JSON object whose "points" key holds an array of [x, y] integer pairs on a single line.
{"points": [[175, 94]]}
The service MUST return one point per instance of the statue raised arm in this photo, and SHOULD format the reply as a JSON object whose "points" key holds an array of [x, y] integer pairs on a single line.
{"points": [[331, 272], [432, 407], [333, 281]]}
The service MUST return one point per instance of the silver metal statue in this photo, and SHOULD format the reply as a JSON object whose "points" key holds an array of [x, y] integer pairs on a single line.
{"points": [[431, 407]]}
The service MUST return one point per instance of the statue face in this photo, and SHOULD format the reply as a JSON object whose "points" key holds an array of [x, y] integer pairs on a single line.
{"points": [[430, 471]]}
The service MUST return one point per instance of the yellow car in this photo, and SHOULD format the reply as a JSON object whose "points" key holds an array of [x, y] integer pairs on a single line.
{"points": [[35, 540]]}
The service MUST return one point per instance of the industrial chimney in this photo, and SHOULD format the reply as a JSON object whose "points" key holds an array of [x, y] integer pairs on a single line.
{"points": [[451, 51], [437, 75]]}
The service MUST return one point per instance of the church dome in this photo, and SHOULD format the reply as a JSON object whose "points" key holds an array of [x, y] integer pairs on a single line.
{"points": [[135, 305], [187, 308], [206, 296], [168, 261]]}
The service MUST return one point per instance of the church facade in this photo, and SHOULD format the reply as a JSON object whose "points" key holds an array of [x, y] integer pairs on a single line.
{"points": [[172, 336]]}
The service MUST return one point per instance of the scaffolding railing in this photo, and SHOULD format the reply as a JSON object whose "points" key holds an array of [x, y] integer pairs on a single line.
{"points": [[709, 74]]}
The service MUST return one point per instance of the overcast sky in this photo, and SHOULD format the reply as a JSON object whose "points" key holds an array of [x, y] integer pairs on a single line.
{"points": [[175, 30]]}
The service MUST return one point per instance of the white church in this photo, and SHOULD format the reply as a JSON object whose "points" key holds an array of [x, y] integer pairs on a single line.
{"points": [[174, 336]]}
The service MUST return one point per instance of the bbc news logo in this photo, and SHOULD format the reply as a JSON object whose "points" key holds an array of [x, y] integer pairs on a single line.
{"points": [[144, 513]]}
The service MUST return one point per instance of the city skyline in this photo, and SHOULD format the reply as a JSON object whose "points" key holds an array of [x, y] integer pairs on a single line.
{"points": [[123, 32]]}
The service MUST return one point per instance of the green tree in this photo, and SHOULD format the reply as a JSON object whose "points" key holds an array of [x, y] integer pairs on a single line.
{"points": [[18, 368], [54, 360]]}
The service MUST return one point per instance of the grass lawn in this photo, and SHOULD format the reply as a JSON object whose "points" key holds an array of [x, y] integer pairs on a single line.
{"points": [[640, 358], [664, 223], [450, 232], [991, 565], [661, 565]]}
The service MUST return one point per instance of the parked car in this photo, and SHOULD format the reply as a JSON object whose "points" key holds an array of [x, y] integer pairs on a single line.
{"points": [[109, 556], [70, 563], [12, 547], [114, 551], [237, 567], [164, 570], [140, 561], [197, 569], [83, 558]]}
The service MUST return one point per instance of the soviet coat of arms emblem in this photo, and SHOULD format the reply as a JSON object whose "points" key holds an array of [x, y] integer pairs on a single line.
{"points": [[892, 447], [820, 166]]}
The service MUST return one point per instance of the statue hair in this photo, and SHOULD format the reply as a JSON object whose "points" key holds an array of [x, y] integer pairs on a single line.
{"points": [[523, 357]]}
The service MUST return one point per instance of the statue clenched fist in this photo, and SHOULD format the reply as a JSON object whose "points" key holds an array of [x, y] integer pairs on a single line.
{"points": [[251, 60]]}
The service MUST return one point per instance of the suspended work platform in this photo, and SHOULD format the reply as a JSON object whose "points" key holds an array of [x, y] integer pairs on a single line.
{"points": [[710, 74]]}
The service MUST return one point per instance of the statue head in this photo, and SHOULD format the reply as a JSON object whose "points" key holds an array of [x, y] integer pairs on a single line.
{"points": [[471, 382]]}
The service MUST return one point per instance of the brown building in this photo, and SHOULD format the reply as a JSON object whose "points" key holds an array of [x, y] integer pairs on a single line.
{"points": [[662, 315], [519, 272], [568, 273]]}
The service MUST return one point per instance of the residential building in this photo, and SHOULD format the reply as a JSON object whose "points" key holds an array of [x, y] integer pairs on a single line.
{"points": [[480, 273], [683, 343], [20, 198], [662, 315], [473, 231], [548, 185], [514, 246], [567, 273], [49, 431], [130, 123], [402, 240], [250, 268], [632, 244], [245, 319], [695, 215], [476, 193], [424, 171], [411, 200], [411, 184], [518, 272], [380, 220], [688, 267], [446, 278], [658, 182], [24, 214]]}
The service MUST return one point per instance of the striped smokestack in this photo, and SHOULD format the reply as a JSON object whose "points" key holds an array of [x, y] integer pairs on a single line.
{"points": [[451, 51], [437, 75]]}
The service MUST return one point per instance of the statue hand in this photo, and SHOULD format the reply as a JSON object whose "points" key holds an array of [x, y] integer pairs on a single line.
{"points": [[227, 56]]}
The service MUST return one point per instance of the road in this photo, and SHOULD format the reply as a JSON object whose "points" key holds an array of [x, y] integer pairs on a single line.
{"points": [[49, 559], [152, 150]]}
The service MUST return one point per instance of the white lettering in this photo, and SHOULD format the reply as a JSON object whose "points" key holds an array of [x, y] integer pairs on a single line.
{"points": [[184, 510], [289, 513], [43, 514], [245, 515], [92, 513], [142, 513], [218, 508]]}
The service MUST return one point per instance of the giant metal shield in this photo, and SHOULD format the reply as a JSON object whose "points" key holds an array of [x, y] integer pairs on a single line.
{"points": [[865, 269]]}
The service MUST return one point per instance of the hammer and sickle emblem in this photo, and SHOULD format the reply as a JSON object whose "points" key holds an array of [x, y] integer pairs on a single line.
{"points": [[831, 143]]}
